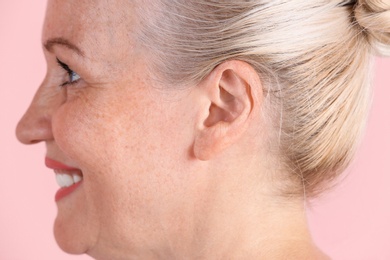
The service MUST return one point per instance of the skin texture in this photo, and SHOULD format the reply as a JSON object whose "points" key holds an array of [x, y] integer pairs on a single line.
{"points": [[167, 174]]}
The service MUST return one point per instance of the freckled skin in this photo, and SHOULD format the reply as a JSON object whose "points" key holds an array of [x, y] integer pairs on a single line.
{"points": [[145, 194], [117, 128]]}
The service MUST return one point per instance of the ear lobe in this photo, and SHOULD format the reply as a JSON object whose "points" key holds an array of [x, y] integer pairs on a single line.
{"points": [[230, 89]]}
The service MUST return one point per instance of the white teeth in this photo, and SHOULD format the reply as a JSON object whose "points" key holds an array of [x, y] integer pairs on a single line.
{"points": [[66, 180], [77, 178]]}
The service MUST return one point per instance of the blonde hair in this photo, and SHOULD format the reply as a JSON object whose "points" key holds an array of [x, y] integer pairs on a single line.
{"points": [[314, 57]]}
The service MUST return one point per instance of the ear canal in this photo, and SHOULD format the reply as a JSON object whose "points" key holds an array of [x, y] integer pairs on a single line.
{"points": [[231, 102], [224, 111]]}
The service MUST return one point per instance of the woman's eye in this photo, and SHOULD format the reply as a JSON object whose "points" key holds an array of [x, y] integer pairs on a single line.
{"points": [[73, 77]]}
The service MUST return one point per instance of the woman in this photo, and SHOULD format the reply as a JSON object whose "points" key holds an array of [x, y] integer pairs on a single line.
{"points": [[198, 129]]}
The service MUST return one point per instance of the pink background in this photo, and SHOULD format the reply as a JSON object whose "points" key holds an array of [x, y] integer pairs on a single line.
{"points": [[352, 222]]}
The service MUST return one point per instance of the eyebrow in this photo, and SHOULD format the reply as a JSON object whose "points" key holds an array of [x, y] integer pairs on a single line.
{"points": [[64, 42]]}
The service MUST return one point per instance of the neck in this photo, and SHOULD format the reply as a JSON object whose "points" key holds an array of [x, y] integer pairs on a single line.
{"points": [[239, 220], [227, 214], [257, 230]]}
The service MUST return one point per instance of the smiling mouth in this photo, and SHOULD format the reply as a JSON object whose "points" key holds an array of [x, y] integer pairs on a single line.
{"points": [[68, 180], [67, 177]]}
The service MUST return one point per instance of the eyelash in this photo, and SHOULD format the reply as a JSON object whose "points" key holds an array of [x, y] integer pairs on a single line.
{"points": [[70, 73]]}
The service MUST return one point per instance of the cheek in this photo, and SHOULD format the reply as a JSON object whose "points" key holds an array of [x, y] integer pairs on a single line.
{"points": [[107, 138], [88, 128], [114, 138], [129, 151], [117, 133], [73, 129]]}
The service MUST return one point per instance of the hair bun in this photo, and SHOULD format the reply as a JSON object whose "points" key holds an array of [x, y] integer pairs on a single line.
{"points": [[374, 17]]}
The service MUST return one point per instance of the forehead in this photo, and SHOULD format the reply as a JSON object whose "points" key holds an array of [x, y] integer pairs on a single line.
{"points": [[92, 24]]}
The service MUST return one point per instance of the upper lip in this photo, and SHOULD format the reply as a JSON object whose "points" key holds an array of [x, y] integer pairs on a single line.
{"points": [[56, 165]]}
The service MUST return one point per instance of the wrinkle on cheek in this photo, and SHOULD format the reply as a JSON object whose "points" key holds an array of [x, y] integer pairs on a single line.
{"points": [[77, 128], [98, 124]]}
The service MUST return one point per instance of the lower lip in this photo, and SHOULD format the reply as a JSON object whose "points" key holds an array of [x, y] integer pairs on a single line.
{"points": [[63, 192]]}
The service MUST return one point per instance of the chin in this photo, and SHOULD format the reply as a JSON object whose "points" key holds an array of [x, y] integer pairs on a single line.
{"points": [[71, 240]]}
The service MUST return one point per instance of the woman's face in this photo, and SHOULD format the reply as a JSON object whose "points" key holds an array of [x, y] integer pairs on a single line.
{"points": [[130, 140]]}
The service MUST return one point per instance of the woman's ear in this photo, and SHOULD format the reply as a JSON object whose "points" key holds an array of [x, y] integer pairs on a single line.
{"points": [[233, 90]]}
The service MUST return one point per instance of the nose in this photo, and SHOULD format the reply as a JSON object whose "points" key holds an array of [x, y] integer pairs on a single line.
{"points": [[35, 125]]}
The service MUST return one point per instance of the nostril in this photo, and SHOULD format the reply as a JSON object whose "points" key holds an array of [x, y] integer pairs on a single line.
{"points": [[34, 142]]}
